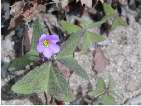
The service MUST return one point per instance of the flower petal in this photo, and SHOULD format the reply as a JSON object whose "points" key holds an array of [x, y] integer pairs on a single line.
{"points": [[43, 37], [53, 38], [40, 47], [55, 48], [47, 53]]}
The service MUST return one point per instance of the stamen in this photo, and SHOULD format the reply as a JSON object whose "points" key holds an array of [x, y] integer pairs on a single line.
{"points": [[46, 43]]}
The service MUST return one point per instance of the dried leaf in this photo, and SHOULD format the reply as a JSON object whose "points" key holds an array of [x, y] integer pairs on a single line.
{"points": [[100, 60], [27, 38], [17, 8], [15, 21], [29, 13], [12, 23]]}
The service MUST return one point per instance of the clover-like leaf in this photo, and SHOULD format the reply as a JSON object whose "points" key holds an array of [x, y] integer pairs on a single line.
{"points": [[57, 85], [40, 79], [70, 28], [21, 62], [106, 100], [34, 82], [90, 38], [88, 24], [118, 21], [100, 88], [111, 86], [72, 64], [67, 97], [69, 46], [109, 10]]}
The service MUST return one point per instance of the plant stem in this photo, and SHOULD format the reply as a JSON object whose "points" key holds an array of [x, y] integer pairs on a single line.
{"points": [[45, 95]]}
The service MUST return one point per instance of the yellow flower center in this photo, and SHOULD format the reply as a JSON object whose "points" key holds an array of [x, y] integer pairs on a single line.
{"points": [[46, 43]]}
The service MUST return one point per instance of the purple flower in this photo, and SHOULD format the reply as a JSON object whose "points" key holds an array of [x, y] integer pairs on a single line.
{"points": [[47, 45]]}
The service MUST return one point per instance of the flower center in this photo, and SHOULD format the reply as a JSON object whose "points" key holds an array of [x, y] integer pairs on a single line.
{"points": [[46, 43]]}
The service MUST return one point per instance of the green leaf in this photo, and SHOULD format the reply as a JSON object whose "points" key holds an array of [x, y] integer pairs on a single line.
{"points": [[40, 79], [109, 10], [37, 31], [118, 21], [111, 86], [106, 100], [88, 24], [34, 82], [100, 88], [72, 64], [68, 98], [90, 38], [70, 28], [69, 46], [21, 62], [58, 86]]}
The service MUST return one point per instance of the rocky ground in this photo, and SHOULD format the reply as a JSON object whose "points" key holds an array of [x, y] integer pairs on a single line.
{"points": [[125, 60], [125, 63], [124, 55]]}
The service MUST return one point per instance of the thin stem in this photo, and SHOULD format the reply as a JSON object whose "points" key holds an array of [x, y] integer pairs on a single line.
{"points": [[45, 95]]}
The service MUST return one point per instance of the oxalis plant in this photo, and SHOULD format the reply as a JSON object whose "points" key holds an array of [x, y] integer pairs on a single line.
{"points": [[47, 51]]}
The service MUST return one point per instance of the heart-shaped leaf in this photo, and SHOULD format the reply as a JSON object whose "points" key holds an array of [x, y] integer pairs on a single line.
{"points": [[34, 82], [40, 79], [118, 21], [109, 10], [68, 97], [88, 24], [70, 28], [21, 62], [106, 100], [69, 46], [90, 38], [72, 64], [100, 88]]}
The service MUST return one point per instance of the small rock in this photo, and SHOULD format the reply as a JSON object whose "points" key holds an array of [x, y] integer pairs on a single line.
{"points": [[134, 101]]}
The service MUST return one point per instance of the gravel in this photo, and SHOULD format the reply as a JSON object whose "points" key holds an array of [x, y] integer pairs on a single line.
{"points": [[124, 55]]}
